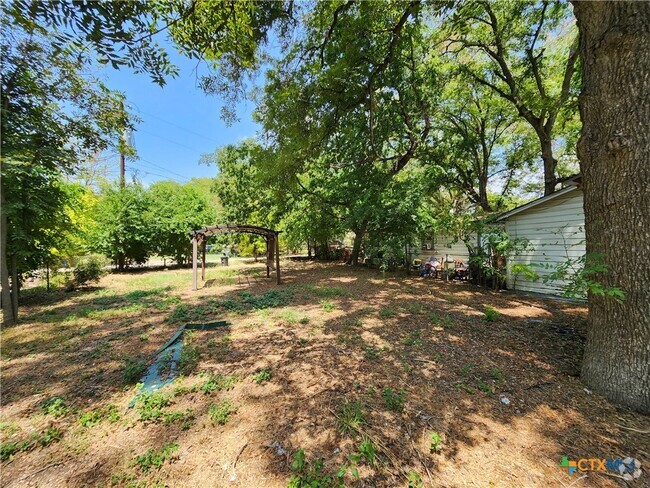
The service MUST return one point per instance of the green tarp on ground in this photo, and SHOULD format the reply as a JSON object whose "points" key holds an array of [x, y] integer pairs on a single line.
{"points": [[164, 368]]}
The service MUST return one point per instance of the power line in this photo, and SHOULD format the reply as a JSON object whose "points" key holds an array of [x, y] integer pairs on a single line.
{"points": [[149, 171], [179, 127], [151, 163], [143, 171], [168, 140]]}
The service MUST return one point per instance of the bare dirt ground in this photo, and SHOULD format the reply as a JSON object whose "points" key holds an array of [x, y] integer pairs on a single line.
{"points": [[409, 357]]}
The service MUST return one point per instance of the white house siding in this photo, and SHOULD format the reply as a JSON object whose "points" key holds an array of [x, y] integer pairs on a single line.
{"points": [[441, 246], [556, 231]]}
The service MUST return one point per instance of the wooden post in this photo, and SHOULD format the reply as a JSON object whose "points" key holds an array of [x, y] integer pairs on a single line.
{"points": [[277, 257], [195, 245], [268, 256], [203, 260]]}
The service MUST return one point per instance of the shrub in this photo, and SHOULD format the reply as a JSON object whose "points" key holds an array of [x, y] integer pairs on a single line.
{"points": [[88, 270]]}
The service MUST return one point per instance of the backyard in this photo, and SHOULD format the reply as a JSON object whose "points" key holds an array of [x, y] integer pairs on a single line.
{"points": [[389, 380]]}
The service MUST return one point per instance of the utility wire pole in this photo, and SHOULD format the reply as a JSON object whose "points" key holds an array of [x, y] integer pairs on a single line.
{"points": [[122, 157]]}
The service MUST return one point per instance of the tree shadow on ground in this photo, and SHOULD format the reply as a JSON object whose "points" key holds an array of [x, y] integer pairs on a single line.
{"points": [[503, 394]]}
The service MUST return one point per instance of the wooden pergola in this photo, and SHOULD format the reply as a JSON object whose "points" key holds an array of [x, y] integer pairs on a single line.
{"points": [[200, 237]]}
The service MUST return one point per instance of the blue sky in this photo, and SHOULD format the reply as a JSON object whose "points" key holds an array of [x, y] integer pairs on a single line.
{"points": [[179, 123]]}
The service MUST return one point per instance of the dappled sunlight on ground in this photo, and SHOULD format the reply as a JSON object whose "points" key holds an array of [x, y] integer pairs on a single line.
{"points": [[420, 357]]}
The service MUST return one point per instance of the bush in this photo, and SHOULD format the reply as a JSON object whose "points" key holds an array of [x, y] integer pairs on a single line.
{"points": [[88, 270]]}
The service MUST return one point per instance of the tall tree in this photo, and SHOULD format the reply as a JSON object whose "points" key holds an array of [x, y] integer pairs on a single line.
{"points": [[614, 152], [174, 211], [123, 228], [52, 117], [350, 106], [480, 141], [527, 54]]}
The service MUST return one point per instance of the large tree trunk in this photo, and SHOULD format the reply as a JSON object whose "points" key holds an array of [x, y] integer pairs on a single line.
{"points": [[8, 316], [550, 163], [358, 239], [614, 152], [483, 194]]}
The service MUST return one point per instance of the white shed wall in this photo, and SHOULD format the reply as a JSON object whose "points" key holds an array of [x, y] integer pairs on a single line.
{"points": [[442, 246], [556, 231]]}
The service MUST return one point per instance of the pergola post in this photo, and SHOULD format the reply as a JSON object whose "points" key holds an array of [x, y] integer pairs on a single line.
{"points": [[277, 257], [195, 252], [201, 236], [268, 256], [203, 259]]}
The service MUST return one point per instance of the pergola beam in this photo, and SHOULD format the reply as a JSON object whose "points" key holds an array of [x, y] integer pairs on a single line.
{"points": [[201, 235]]}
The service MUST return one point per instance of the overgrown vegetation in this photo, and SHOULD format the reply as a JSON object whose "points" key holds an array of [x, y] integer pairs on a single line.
{"points": [[155, 458], [95, 416], [36, 439], [262, 376], [134, 369], [394, 400], [491, 314], [55, 407], [218, 382], [351, 417], [244, 303], [221, 412]]}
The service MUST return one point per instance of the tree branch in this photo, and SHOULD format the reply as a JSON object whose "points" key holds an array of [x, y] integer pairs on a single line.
{"points": [[569, 70], [340, 9]]}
